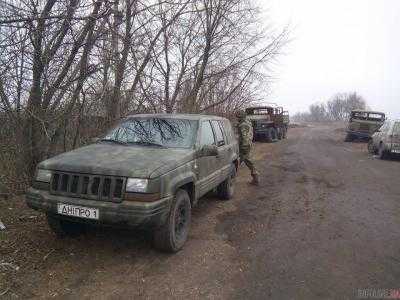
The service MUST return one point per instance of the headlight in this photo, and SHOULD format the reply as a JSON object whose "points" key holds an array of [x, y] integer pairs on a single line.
{"points": [[136, 185], [43, 175]]}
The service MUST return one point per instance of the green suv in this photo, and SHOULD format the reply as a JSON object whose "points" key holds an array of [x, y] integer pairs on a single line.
{"points": [[386, 141], [363, 124], [149, 171]]}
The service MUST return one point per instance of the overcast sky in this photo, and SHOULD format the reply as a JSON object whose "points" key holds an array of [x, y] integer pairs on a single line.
{"points": [[338, 46]]}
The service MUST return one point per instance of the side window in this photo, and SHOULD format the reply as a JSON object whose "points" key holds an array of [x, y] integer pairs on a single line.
{"points": [[218, 133], [207, 134]]}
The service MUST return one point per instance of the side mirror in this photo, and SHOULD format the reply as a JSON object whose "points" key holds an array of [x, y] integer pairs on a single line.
{"points": [[208, 150]]}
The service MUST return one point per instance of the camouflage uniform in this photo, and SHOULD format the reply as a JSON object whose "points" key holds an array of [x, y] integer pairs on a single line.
{"points": [[245, 131]]}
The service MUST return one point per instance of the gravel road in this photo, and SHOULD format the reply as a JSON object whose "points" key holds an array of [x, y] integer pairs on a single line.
{"points": [[324, 223]]}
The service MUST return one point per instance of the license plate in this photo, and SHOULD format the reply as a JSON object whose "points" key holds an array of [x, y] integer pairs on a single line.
{"points": [[78, 211]]}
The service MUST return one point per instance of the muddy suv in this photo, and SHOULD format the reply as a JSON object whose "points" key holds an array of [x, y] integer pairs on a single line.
{"points": [[363, 124], [269, 123], [148, 171], [386, 141]]}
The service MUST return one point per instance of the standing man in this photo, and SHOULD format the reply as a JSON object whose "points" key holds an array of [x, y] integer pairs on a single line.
{"points": [[245, 131]]}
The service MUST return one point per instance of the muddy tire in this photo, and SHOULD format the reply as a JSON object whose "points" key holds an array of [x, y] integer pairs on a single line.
{"points": [[226, 189], [371, 148], [382, 153], [63, 228], [171, 236]]}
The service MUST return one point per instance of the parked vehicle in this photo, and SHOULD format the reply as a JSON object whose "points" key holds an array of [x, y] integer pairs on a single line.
{"points": [[148, 171], [386, 141], [363, 124], [269, 123]]}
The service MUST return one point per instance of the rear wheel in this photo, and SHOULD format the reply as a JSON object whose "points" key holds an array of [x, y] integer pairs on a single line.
{"points": [[227, 188], [63, 228], [171, 236]]}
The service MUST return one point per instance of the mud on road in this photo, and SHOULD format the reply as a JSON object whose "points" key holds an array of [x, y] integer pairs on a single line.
{"points": [[324, 223]]}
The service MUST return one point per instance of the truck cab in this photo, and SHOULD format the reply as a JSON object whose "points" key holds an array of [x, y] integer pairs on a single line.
{"points": [[269, 123]]}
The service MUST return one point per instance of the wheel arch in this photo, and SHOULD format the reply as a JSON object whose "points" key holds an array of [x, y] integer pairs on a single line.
{"points": [[187, 184]]}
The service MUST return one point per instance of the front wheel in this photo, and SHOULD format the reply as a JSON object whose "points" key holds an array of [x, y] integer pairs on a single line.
{"points": [[171, 236]]}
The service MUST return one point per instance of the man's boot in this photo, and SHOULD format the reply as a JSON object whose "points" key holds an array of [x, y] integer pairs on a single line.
{"points": [[255, 180]]}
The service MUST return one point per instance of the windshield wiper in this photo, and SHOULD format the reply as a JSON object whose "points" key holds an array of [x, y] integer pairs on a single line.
{"points": [[113, 141], [147, 144]]}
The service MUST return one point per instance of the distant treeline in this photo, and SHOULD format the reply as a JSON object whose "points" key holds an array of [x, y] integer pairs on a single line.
{"points": [[337, 108]]}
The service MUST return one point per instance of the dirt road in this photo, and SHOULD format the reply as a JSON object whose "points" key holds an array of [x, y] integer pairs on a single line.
{"points": [[324, 223]]}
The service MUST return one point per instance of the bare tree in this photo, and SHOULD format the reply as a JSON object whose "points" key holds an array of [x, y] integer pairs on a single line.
{"points": [[340, 106], [69, 69]]}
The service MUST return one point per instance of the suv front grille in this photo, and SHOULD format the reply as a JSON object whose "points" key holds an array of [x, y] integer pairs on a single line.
{"points": [[95, 187]]}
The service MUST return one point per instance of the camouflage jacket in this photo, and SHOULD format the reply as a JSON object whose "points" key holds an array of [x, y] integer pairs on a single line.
{"points": [[245, 131]]}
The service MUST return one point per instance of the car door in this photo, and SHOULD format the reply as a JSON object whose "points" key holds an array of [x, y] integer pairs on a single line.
{"points": [[207, 166], [224, 150]]}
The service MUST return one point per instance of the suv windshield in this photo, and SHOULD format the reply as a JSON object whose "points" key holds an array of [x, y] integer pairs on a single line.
{"points": [[174, 133]]}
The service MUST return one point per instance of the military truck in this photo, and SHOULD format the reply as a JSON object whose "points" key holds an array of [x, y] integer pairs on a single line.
{"points": [[363, 124], [148, 171], [269, 123]]}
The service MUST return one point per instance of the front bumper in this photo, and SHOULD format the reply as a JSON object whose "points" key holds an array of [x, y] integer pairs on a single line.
{"points": [[359, 134], [126, 213]]}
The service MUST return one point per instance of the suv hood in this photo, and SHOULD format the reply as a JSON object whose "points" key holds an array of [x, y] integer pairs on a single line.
{"points": [[119, 160]]}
